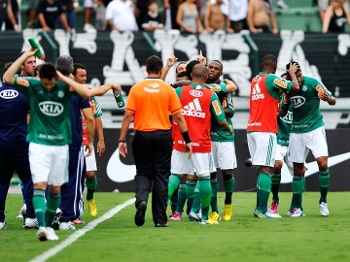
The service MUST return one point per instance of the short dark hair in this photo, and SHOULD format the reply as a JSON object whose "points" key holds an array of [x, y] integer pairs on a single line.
{"points": [[47, 71], [294, 63], [64, 64], [189, 68], [199, 71], [77, 66], [269, 60], [7, 66], [219, 62], [154, 64]]}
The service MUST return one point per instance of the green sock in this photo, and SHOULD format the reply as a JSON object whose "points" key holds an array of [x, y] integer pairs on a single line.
{"points": [[190, 187], [304, 181], [214, 195], [275, 185], [53, 200], [264, 187], [205, 192], [91, 186], [297, 188], [182, 198], [174, 181], [229, 186], [39, 204], [196, 199], [323, 179]]}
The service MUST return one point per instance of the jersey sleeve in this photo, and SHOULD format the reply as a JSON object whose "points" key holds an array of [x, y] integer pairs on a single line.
{"points": [[229, 100], [216, 108], [97, 110], [178, 91], [175, 105], [277, 82], [319, 87], [22, 84], [220, 88]]}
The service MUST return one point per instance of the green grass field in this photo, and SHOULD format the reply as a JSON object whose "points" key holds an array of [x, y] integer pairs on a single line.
{"points": [[245, 238]]}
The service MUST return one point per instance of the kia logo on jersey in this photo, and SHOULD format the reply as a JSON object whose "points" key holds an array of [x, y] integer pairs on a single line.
{"points": [[50, 108], [8, 93], [196, 93], [297, 101]]}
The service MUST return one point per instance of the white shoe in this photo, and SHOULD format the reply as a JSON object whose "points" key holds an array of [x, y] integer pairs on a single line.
{"points": [[30, 223], [67, 226], [42, 234], [22, 212], [324, 209], [296, 212], [51, 235], [89, 28], [2, 225]]}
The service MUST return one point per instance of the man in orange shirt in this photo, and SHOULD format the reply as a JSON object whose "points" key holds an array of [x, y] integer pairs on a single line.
{"points": [[149, 104]]}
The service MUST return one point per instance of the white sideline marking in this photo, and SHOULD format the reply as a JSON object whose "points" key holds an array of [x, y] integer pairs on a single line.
{"points": [[79, 233]]}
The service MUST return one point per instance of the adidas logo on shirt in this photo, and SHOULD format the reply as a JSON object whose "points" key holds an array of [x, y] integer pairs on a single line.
{"points": [[193, 109], [256, 93]]}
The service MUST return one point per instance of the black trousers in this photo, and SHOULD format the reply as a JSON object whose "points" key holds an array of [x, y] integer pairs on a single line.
{"points": [[152, 155]]}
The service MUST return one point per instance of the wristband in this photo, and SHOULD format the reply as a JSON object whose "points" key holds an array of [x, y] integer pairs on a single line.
{"points": [[186, 137], [122, 141]]}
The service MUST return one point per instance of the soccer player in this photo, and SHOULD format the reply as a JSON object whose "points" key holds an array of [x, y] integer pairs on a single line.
{"points": [[14, 150], [71, 206], [49, 134], [80, 76], [200, 105], [265, 92], [223, 148], [308, 133], [152, 144]]}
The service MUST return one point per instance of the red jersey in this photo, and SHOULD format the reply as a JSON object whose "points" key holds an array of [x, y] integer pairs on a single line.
{"points": [[196, 111], [263, 106]]}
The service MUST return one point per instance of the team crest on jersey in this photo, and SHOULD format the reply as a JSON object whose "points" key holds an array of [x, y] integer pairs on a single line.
{"points": [[304, 88], [196, 93], [51, 108], [22, 82], [217, 88], [297, 101], [60, 94], [8, 93]]}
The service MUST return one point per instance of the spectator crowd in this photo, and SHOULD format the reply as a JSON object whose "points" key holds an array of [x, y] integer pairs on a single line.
{"points": [[189, 16]]}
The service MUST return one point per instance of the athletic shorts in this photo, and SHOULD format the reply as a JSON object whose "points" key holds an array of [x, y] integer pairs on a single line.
{"points": [[90, 160], [262, 148], [49, 163], [89, 4], [300, 144], [282, 153], [201, 163], [224, 155], [323, 4], [33, 4]]}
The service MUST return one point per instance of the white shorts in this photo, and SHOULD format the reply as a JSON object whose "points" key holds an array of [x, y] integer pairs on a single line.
{"points": [[89, 4], [224, 155], [90, 160], [300, 144], [201, 163], [282, 153], [49, 163], [323, 4], [262, 148]]}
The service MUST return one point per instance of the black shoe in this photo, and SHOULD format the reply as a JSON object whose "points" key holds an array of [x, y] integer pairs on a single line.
{"points": [[140, 213], [56, 221], [162, 225]]}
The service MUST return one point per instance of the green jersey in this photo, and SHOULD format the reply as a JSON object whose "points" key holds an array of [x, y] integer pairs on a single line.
{"points": [[50, 118], [306, 106], [96, 109], [284, 125], [226, 99]]}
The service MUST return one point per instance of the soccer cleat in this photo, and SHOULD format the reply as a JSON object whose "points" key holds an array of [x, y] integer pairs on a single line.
{"points": [[51, 235], [22, 212], [274, 206], [161, 225], [42, 234], [324, 209], [140, 213], [227, 215], [67, 226], [77, 221], [2, 225], [56, 220], [267, 214], [194, 216], [30, 223], [209, 222], [92, 207], [176, 216], [214, 216], [296, 212]]}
